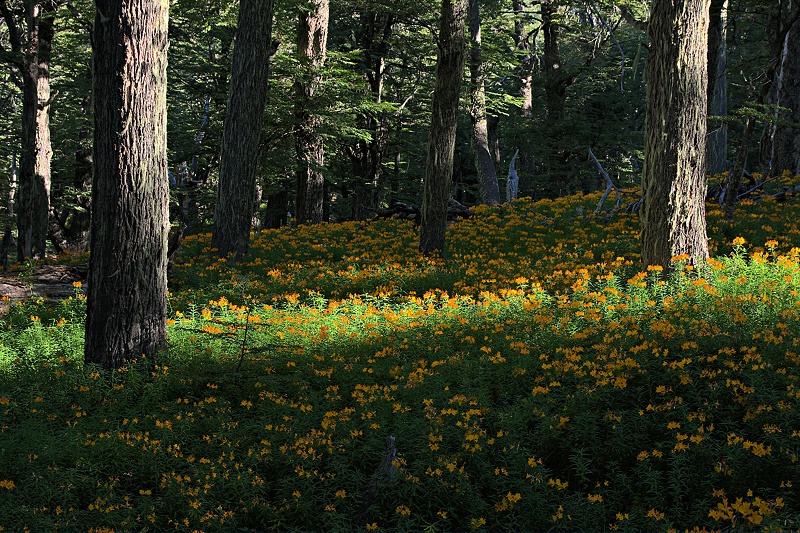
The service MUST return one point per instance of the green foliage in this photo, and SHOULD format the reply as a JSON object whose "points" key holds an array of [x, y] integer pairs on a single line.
{"points": [[519, 396]]}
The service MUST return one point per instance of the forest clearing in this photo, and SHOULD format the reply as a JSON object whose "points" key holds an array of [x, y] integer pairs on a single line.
{"points": [[532, 380]]}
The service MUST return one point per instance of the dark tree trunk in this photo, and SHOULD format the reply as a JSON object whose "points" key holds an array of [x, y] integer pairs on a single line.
{"points": [[770, 88], [233, 214], [277, 207], [735, 178], [366, 155], [34, 178], [442, 137], [556, 80], [524, 44], [487, 174], [786, 140], [782, 18], [312, 42], [717, 140], [674, 180], [127, 292]]}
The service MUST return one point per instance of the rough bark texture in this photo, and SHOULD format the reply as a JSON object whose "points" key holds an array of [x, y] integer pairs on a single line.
{"points": [[674, 180], [786, 140], [717, 140], [487, 174], [312, 43], [442, 137], [34, 177], [241, 136], [127, 293]]}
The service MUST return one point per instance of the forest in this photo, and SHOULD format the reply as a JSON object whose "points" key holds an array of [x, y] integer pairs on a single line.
{"points": [[453, 266]]}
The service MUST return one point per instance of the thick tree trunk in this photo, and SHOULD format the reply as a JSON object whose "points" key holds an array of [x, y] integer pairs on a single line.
{"points": [[556, 80], [442, 137], [786, 140], [717, 139], [312, 42], [34, 178], [127, 292], [487, 174], [674, 179], [241, 136]]}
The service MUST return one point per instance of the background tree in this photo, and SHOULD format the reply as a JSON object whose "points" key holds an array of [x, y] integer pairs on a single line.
{"points": [[786, 137], [127, 292], [312, 45], [240, 141], [442, 136], [674, 180], [717, 141], [487, 175], [31, 31]]}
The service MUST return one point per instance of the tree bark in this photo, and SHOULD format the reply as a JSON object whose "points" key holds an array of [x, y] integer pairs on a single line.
{"points": [[442, 137], [556, 80], [487, 174], [717, 139], [786, 139], [523, 42], [241, 135], [674, 180], [312, 42], [127, 290], [34, 178]]}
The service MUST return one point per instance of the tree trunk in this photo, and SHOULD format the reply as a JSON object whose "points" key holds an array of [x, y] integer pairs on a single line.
{"points": [[127, 290], [312, 42], [556, 81], [786, 140], [366, 155], [242, 129], [442, 137], [487, 174], [524, 44], [735, 178], [717, 139], [674, 180], [34, 177], [782, 20]]}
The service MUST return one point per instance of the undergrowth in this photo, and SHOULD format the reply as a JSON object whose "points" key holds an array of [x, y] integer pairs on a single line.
{"points": [[532, 381]]}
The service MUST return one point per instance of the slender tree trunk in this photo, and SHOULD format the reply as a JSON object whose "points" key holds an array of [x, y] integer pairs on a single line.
{"points": [[786, 140], [366, 155], [524, 44], [312, 42], [735, 178], [442, 137], [34, 179], [717, 139], [674, 179], [770, 88], [241, 137], [127, 293], [783, 18], [487, 174]]}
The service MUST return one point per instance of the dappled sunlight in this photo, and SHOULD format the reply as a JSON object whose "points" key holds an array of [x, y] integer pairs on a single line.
{"points": [[535, 379]]}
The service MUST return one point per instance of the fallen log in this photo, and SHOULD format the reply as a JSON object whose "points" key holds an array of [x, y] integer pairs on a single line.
{"points": [[51, 282]]}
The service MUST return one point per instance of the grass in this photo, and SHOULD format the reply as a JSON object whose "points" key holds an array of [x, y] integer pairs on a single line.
{"points": [[534, 380]]}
